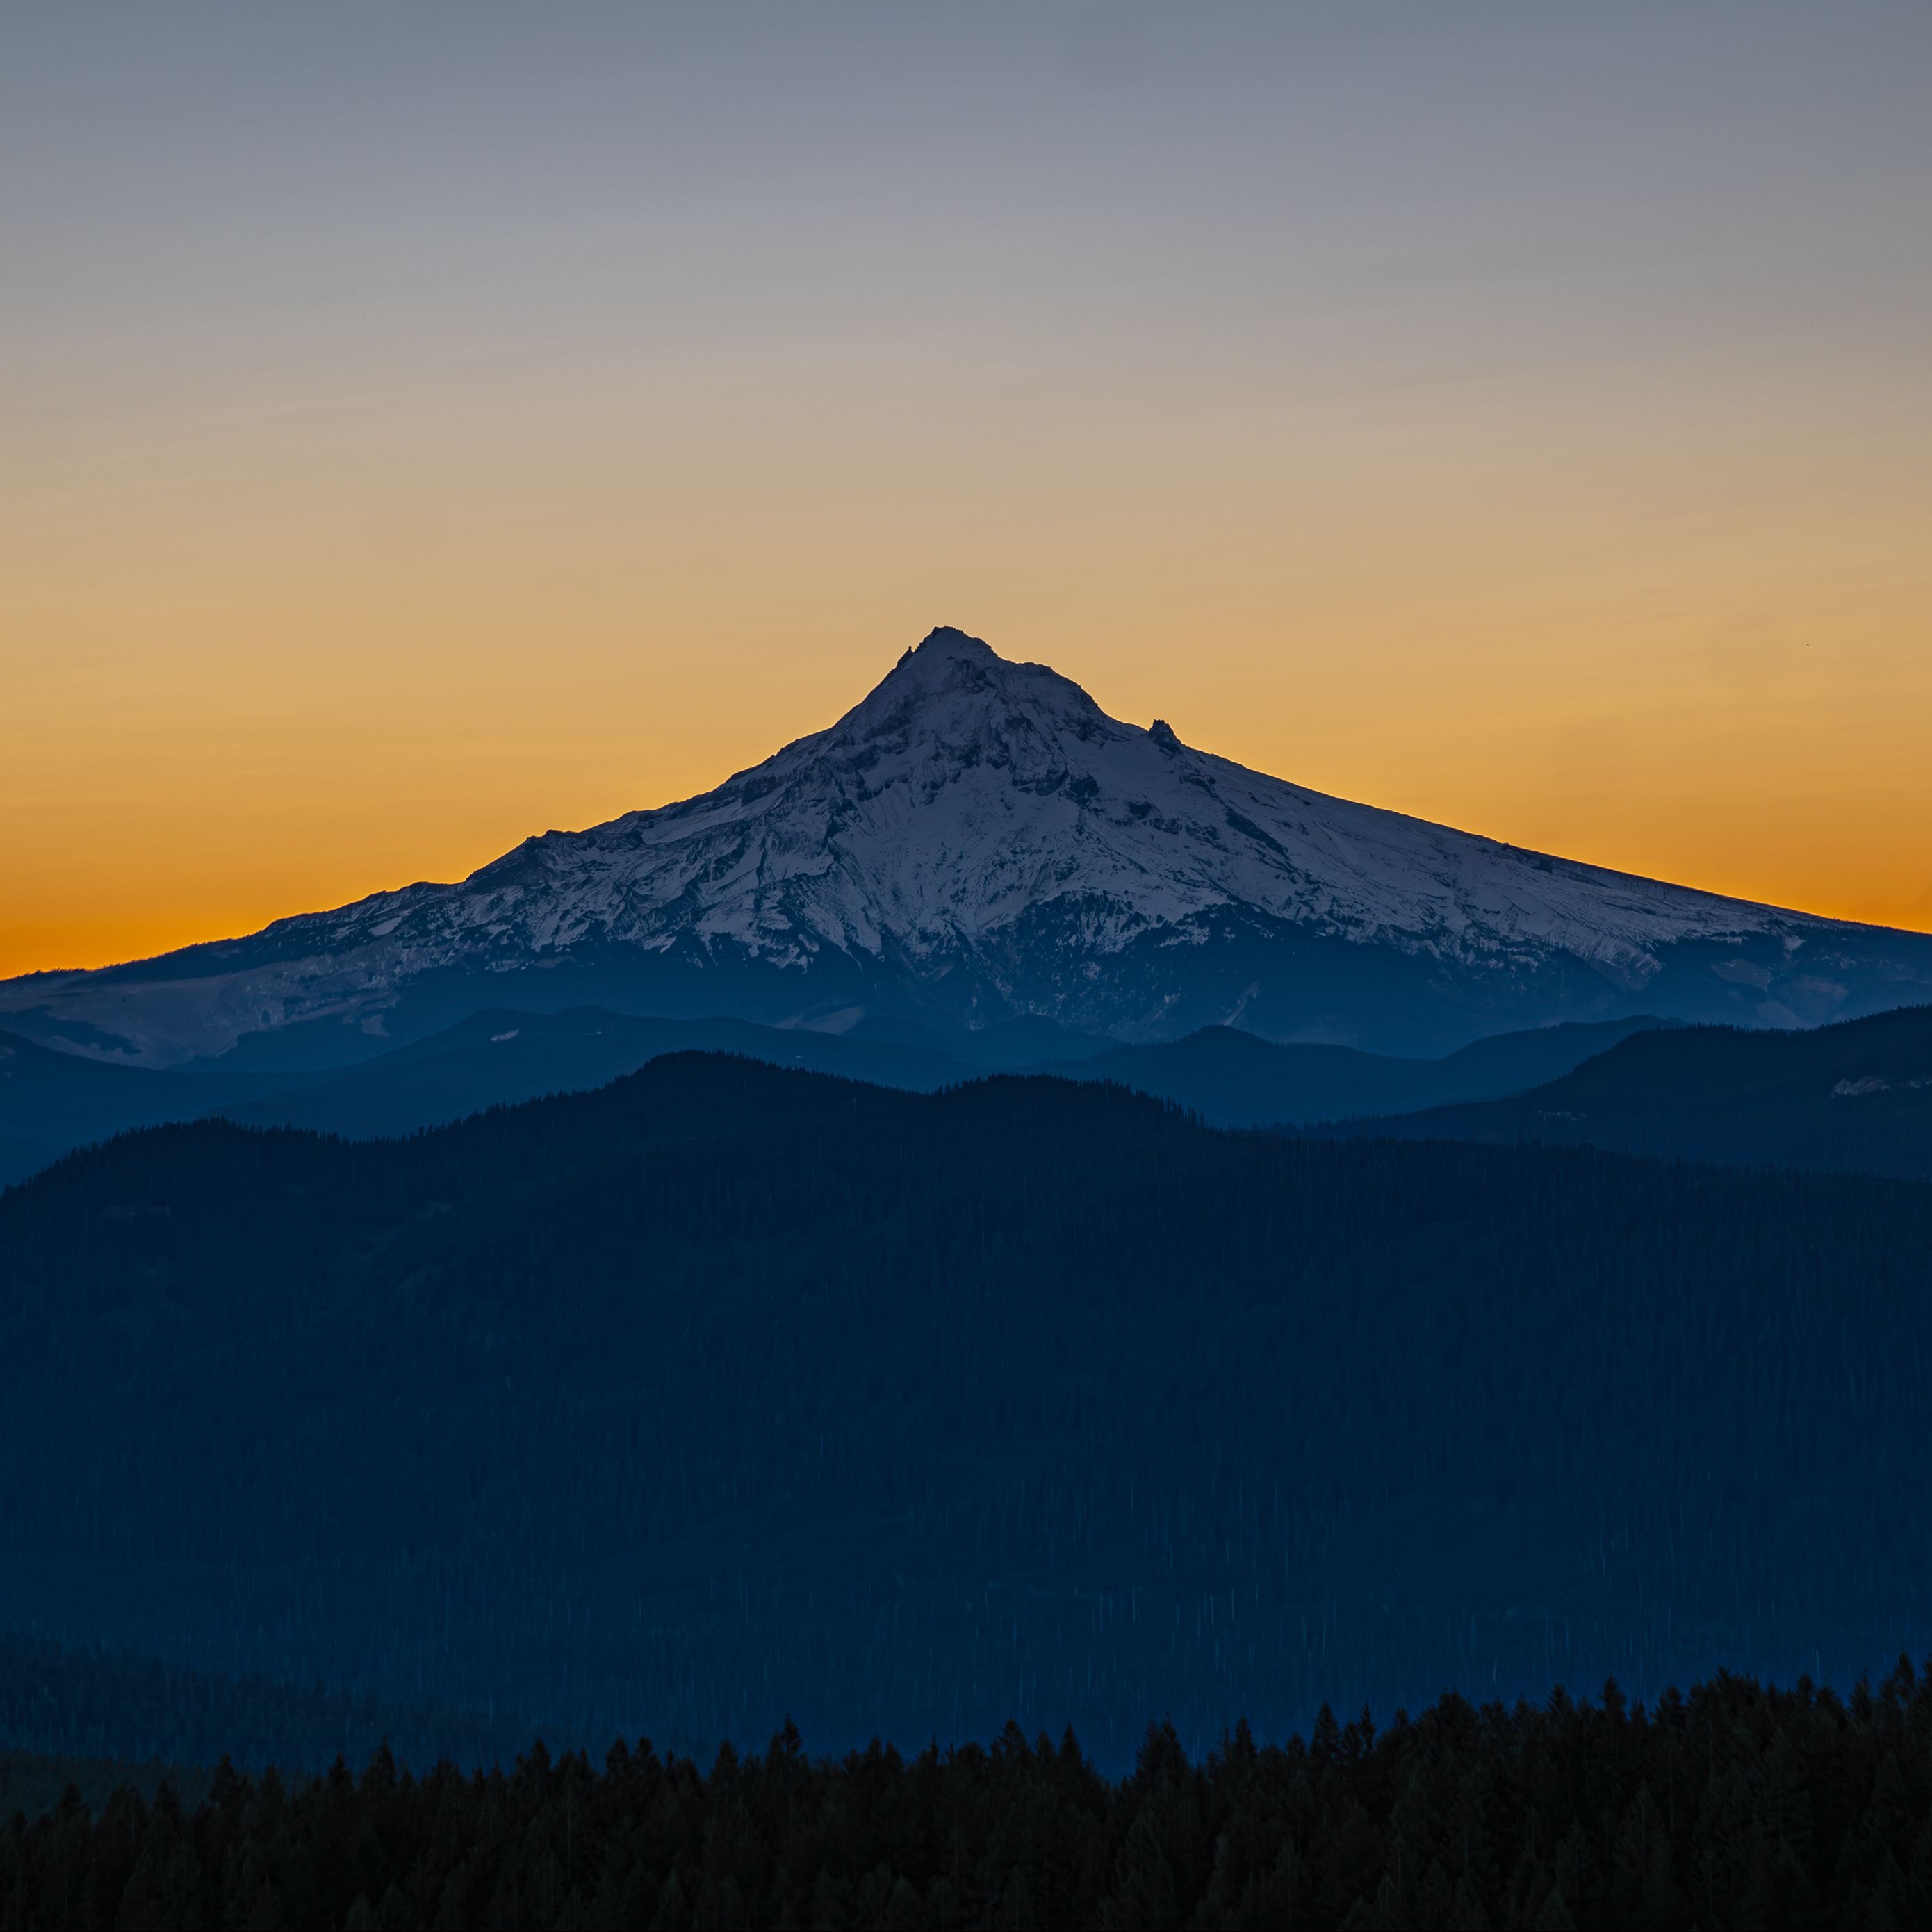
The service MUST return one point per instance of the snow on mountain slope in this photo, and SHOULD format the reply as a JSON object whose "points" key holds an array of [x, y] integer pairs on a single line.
{"points": [[977, 838]]}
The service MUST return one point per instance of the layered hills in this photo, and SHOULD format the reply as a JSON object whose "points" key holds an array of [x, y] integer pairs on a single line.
{"points": [[50, 1101], [1855, 1098]]}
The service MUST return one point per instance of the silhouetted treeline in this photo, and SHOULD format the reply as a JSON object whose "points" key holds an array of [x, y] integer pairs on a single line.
{"points": [[726, 1390], [30, 1784], [1734, 1807]]}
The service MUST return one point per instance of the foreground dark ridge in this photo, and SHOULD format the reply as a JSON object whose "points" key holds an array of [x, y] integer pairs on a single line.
{"points": [[727, 1391], [1737, 1806]]}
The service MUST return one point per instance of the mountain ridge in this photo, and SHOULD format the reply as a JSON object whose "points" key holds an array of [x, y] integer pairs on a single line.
{"points": [[51, 1102], [1855, 1097]]}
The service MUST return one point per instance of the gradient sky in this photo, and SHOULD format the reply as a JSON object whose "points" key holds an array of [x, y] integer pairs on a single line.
{"points": [[422, 426]]}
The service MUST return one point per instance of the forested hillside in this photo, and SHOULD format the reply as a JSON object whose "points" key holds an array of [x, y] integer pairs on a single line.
{"points": [[1734, 1807], [1855, 1098], [1232, 1079], [727, 1392]]}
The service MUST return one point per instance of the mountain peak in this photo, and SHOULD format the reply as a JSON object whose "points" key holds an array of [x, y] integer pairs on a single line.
{"points": [[939, 650], [977, 839], [948, 640], [957, 686]]}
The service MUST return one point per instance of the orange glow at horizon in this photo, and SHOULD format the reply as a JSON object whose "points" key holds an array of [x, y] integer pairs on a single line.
{"points": [[297, 739], [413, 437], [352, 657], [365, 651]]}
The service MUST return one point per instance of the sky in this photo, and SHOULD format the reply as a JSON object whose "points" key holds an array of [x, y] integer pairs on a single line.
{"points": [[424, 426]]}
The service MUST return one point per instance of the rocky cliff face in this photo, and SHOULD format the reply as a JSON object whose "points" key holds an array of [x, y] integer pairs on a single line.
{"points": [[977, 840]]}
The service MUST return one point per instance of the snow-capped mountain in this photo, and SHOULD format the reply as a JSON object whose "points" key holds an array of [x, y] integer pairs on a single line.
{"points": [[977, 841]]}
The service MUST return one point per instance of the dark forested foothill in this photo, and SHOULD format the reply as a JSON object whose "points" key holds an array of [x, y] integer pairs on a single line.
{"points": [[725, 1392], [1734, 1807], [1855, 1098]]}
